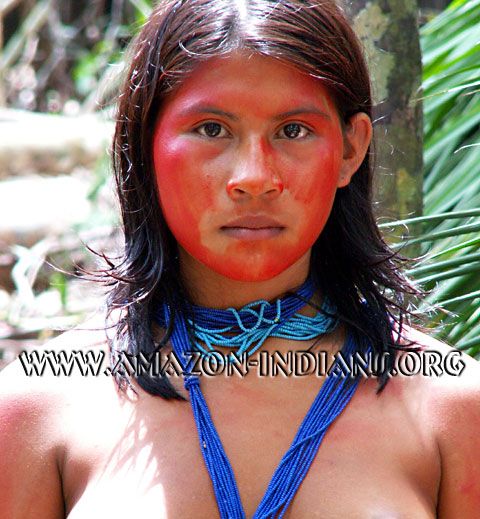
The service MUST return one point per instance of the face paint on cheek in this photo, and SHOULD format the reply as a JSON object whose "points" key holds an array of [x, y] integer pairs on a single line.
{"points": [[315, 199], [184, 197]]}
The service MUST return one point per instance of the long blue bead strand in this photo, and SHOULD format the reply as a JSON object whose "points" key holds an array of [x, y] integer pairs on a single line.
{"points": [[333, 396], [216, 460]]}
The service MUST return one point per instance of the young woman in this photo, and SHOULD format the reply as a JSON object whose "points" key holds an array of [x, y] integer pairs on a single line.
{"points": [[243, 166]]}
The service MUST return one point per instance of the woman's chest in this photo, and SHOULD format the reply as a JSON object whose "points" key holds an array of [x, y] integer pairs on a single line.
{"points": [[152, 465], [178, 486]]}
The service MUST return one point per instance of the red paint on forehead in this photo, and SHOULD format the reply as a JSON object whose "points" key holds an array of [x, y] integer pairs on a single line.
{"points": [[211, 84]]}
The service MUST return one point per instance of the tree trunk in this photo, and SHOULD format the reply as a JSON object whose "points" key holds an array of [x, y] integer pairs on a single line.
{"points": [[389, 32]]}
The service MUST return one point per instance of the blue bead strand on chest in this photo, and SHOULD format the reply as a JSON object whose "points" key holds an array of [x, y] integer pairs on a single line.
{"points": [[333, 396]]}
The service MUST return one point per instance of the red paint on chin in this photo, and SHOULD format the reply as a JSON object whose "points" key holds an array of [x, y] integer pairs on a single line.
{"points": [[192, 171]]}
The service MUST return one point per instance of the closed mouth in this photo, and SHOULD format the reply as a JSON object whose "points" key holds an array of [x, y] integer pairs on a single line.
{"points": [[254, 222], [252, 233]]}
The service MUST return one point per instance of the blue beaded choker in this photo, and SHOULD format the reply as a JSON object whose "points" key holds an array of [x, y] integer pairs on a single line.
{"points": [[245, 330], [334, 395]]}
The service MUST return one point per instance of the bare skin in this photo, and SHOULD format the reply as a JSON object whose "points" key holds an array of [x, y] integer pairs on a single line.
{"points": [[76, 447]]}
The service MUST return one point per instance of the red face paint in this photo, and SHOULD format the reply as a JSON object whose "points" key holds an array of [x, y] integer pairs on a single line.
{"points": [[247, 156]]}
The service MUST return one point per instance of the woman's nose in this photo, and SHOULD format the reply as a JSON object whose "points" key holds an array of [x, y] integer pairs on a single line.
{"points": [[253, 173]]}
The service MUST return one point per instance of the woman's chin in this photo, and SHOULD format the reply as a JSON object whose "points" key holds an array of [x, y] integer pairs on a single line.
{"points": [[251, 273], [254, 267]]}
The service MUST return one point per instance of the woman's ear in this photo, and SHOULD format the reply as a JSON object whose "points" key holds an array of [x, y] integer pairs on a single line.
{"points": [[356, 139]]}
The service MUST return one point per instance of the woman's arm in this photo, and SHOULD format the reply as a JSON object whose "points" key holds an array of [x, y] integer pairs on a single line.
{"points": [[457, 413], [30, 483]]}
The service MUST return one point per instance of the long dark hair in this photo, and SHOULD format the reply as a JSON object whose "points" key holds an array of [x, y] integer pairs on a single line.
{"points": [[350, 262]]}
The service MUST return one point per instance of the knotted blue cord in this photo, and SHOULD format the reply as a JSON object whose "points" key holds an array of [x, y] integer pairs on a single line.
{"points": [[246, 330], [332, 398]]}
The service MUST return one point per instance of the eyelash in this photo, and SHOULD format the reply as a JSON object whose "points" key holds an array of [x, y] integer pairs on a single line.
{"points": [[203, 125], [199, 128], [302, 128]]}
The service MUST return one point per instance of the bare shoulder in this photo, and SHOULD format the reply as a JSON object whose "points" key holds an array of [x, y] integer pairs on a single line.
{"points": [[32, 433], [454, 373], [453, 400], [437, 373], [450, 378]]}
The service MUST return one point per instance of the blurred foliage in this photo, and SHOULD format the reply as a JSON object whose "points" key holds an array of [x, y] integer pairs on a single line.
{"points": [[450, 238], [60, 56]]}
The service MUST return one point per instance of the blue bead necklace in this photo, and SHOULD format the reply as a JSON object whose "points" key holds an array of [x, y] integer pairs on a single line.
{"points": [[245, 330], [334, 395]]}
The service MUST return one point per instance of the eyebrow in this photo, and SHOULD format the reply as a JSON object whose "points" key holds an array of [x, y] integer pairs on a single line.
{"points": [[212, 110], [208, 109], [302, 110]]}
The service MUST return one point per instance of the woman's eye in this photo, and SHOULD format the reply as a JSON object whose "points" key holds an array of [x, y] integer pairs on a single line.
{"points": [[212, 130], [294, 131]]}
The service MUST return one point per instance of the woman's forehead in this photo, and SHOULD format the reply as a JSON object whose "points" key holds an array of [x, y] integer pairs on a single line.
{"points": [[245, 79]]}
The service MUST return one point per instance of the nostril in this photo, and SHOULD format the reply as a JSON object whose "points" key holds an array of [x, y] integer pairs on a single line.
{"points": [[272, 187], [278, 185], [233, 188]]}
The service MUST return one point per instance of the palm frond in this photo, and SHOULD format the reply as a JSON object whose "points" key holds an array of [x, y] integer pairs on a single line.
{"points": [[449, 231]]}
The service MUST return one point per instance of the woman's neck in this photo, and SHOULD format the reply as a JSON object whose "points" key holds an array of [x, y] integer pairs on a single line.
{"points": [[209, 289]]}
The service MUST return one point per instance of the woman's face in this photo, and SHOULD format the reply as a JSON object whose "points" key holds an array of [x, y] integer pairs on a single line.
{"points": [[248, 155]]}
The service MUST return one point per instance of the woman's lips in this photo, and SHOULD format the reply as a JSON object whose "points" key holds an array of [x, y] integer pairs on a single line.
{"points": [[253, 227], [245, 233]]}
